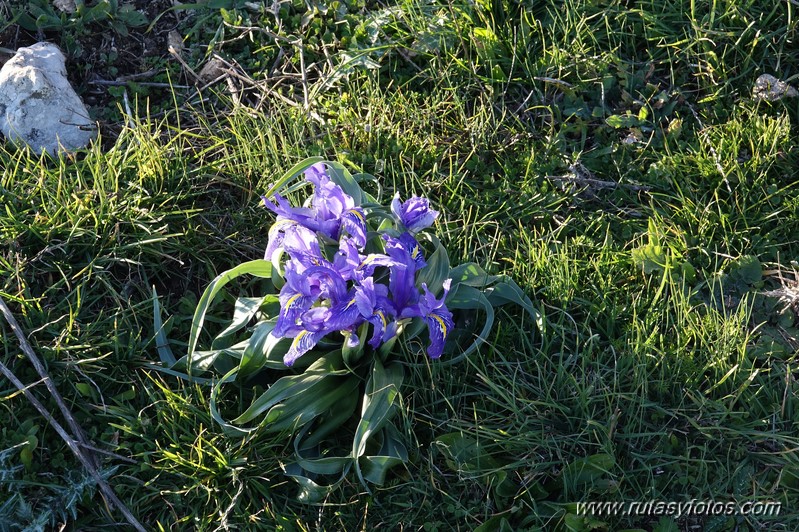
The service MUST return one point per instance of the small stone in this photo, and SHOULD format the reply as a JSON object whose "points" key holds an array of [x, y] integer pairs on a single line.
{"points": [[211, 71], [38, 106], [65, 6], [771, 89], [174, 42]]}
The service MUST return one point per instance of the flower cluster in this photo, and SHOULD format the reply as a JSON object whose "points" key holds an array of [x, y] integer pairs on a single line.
{"points": [[324, 295]]}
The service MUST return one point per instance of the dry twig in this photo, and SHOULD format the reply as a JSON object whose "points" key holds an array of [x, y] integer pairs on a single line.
{"points": [[78, 438]]}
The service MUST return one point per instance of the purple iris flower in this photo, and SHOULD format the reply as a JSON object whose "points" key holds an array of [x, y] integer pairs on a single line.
{"points": [[415, 213], [365, 302], [402, 280], [332, 211], [303, 247], [437, 317], [355, 266], [301, 291]]}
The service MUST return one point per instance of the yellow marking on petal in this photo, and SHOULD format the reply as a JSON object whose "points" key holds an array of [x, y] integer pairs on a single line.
{"points": [[442, 325], [382, 318], [298, 338], [358, 214], [415, 252], [292, 299], [280, 224], [351, 303]]}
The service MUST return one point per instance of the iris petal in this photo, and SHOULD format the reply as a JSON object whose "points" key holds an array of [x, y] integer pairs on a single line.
{"points": [[354, 222], [290, 311], [414, 214], [303, 342], [439, 325]]}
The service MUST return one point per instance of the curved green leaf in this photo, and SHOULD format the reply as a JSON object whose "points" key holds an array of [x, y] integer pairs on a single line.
{"points": [[299, 411], [437, 270], [310, 491], [282, 390], [463, 296], [258, 268], [263, 350], [499, 289], [243, 311], [161, 341], [392, 453], [379, 404], [328, 424], [293, 172], [342, 177]]}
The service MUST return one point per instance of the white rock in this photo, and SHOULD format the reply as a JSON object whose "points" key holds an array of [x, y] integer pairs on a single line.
{"points": [[38, 106], [771, 89], [66, 6]]}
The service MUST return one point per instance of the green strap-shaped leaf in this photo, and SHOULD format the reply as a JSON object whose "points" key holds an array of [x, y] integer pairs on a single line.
{"points": [[243, 311], [298, 411], [180, 375], [392, 453], [463, 296], [509, 292], [343, 178], [161, 341], [310, 491], [293, 172], [282, 390], [352, 355], [215, 415], [263, 350], [379, 404], [499, 289], [258, 268], [472, 274], [328, 424], [368, 199], [437, 270]]}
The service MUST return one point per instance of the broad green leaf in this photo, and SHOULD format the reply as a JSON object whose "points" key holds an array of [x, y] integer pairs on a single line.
{"points": [[748, 269], [392, 453], [463, 296], [343, 178], [299, 411], [243, 311], [650, 258], [161, 341], [498, 523], [466, 455], [258, 268], [623, 121], [295, 171], [437, 269], [587, 470], [379, 404]]}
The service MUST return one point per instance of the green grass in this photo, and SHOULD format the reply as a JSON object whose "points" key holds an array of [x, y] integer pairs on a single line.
{"points": [[663, 373]]}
